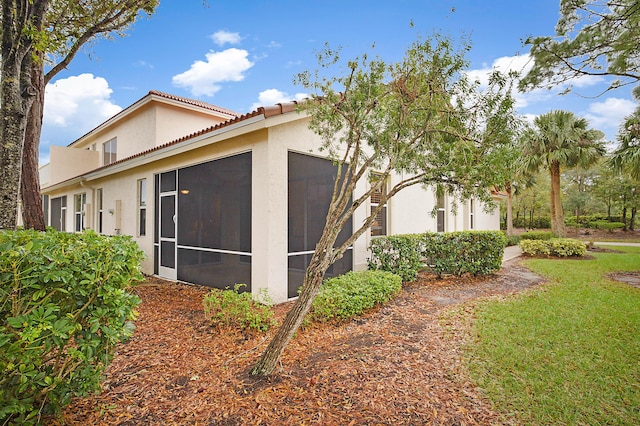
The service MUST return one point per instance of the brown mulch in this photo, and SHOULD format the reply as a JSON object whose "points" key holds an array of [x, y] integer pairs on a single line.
{"points": [[397, 365], [631, 278]]}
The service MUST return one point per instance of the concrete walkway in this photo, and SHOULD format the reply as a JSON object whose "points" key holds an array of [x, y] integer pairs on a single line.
{"points": [[511, 252], [616, 243]]}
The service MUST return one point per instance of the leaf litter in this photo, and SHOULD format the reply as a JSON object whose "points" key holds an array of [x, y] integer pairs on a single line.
{"points": [[399, 364]]}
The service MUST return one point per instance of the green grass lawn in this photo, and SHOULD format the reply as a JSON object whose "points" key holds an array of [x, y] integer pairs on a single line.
{"points": [[568, 352]]}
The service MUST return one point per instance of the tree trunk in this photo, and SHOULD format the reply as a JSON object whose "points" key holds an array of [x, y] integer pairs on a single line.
{"points": [[557, 214], [624, 216], [632, 221], [509, 191], [32, 213], [21, 22], [12, 128], [318, 266]]}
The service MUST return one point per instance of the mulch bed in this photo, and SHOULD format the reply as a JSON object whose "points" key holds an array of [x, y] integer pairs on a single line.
{"points": [[631, 278], [397, 365]]}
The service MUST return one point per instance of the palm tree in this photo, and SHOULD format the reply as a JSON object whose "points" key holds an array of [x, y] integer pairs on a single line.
{"points": [[559, 140], [627, 156]]}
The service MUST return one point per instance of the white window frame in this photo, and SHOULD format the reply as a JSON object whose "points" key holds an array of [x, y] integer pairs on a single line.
{"points": [[142, 207], [472, 213], [79, 210], [99, 211], [441, 204], [110, 151]]}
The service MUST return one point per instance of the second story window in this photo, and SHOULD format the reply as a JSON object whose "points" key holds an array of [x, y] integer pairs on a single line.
{"points": [[109, 151]]}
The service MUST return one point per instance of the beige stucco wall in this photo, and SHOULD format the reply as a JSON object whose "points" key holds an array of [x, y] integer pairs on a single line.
{"points": [[151, 125], [173, 123], [66, 163], [409, 211]]}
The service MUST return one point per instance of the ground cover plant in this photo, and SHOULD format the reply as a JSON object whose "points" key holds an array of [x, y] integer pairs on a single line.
{"points": [[234, 308], [567, 354]]}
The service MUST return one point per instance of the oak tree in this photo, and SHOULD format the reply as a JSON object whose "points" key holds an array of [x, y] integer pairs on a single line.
{"points": [[67, 26], [420, 120], [22, 41]]}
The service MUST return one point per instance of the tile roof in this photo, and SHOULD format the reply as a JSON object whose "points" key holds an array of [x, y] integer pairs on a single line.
{"points": [[193, 102], [187, 101], [270, 111]]}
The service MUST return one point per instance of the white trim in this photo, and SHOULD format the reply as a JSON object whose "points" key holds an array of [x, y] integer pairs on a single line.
{"points": [[240, 253]]}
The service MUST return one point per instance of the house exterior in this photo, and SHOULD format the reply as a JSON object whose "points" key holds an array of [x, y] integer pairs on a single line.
{"points": [[217, 198]]}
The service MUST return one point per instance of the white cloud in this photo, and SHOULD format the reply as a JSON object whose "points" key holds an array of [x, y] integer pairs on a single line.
{"points": [[72, 107], [225, 37], [274, 96], [203, 78], [81, 101], [522, 64], [609, 114]]}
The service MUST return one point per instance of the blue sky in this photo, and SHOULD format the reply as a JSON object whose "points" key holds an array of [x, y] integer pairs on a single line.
{"points": [[241, 55]]}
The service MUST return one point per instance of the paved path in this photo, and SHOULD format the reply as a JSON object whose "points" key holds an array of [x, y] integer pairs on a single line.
{"points": [[616, 243], [511, 252]]}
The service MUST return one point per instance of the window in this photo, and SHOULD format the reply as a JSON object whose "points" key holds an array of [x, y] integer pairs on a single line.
{"points": [[213, 221], [310, 186], [440, 215], [142, 207], [379, 226], [59, 213], [109, 150], [45, 209], [99, 209], [80, 206], [472, 208]]}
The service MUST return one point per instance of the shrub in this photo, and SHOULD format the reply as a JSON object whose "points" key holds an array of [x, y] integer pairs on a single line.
{"points": [[606, 225], [512, 240], [535, 247], [458, 253], [351, 294], [559, 247], [536, 235], [63, 308], [399, 254], [235, 309], [536, 222]]}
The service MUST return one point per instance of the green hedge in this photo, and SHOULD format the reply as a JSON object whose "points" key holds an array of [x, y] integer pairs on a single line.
{"points": [[475, 252], [512, 240], [459, 253], [399, 254], [63, 307], [536, 235], [606, 225], [349, 295], [558, 247], [537, 222]]}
